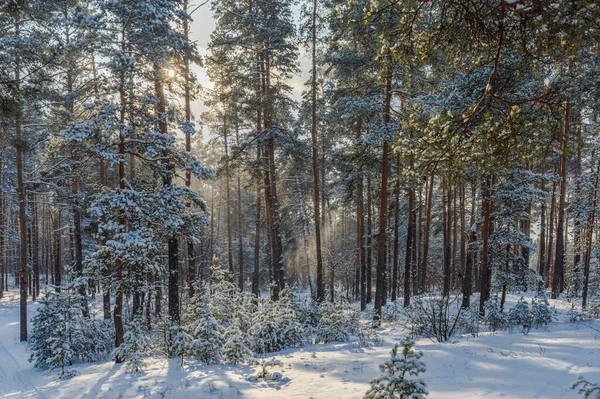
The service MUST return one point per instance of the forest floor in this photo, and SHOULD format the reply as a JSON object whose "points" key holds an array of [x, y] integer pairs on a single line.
{"points": [[541, 364]]}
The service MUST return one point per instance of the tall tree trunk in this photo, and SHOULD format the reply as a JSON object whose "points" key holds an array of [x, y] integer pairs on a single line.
{"points": [[542, 246], [463, 235], [239, 219], [577, 226], [259, 127], [256, 274], [360, 230], [35, 246], [118, 310], [191, 258], [315, 158], [468, 275], [173, 242], [383, 210], [2, 227], [228, 198], [22, 204], [589, 235], [369, 240], [551, 227], [396, 247], [426, 228], [57, 280], [486, 271], [272, 203], [447, 226], [559, 260], [409, 276], [305, 236], [77, 229]]}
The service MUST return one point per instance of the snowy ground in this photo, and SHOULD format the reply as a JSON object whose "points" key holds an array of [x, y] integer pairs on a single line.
{"points": [[539, 365]]}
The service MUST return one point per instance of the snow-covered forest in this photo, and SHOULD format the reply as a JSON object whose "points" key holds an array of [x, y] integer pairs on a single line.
{"points": [[420, 219]]}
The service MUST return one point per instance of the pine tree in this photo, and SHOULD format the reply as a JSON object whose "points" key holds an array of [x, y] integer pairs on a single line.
{"points": [[394, 381]]}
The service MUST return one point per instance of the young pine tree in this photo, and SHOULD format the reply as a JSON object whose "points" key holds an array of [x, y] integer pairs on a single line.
{"points": [[394, 382]]}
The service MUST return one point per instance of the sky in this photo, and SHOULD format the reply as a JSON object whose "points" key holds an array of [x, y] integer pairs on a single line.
{"points": [[202, 26]]}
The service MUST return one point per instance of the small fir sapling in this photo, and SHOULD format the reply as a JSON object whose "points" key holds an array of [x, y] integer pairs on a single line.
{"points": [[135, 347], [394, 381], [520, 316], [275, 326], [207, 343], [62, 335], [235, 348], [337, 322], [541, 312], [494, 317]]}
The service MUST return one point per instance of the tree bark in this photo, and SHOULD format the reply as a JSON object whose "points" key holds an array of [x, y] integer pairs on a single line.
{"points": [[426, 228], [315, 158], [369, 240], [396, 247], [447, 226], [485, 274], [383, 210], [559, 260], [589, 235], [19, 141]]}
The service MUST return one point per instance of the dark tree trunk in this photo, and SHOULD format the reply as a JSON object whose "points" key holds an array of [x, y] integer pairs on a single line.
{"points": [[315, 158], [559, 260], [2, 227], [396, 248], [383, 211], [447, 226], [426, 234], [551, 227], [542, 247], [369, 266], [410, 247], [589, 238], [191, 258], [468, 277], [485, 273]]}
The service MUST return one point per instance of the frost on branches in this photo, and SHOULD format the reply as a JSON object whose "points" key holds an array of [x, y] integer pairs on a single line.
{"points": [[394, 382]]}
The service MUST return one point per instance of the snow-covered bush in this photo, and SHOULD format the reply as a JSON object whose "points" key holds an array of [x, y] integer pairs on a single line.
{"points": [[275, 326], [541, 312], [135, 347], [520, 317], [337, 322], [593, 310], [264, 371], [394, 382], [236, 347], [392, 312], [435, 317], [207, 342], [368, 336], [307, 311], [494, 317], [586, 389], [61, 335], [181, 340], [574, 315]]}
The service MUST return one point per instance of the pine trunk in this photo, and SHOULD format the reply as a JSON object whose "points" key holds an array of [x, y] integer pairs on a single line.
{"points": [[559, 259]]}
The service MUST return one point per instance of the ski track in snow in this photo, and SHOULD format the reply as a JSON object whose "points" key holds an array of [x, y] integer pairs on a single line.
{"points": [[14, 381]]}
